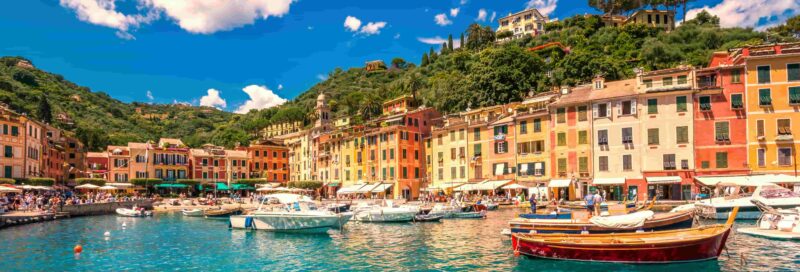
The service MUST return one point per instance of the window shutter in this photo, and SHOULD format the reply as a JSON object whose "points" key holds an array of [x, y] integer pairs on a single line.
{"points": [[594, 111], [619, 108], [633, 107], [608, 109]]}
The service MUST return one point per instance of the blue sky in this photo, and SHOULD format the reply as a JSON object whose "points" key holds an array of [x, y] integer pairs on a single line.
{"points": [[249, 51]]}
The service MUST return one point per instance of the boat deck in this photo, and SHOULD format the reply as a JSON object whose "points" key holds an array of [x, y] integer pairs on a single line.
{"points": [[773, 234]]}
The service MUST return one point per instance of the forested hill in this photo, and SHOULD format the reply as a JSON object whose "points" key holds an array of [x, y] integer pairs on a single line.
{"points": [[482, 72]]}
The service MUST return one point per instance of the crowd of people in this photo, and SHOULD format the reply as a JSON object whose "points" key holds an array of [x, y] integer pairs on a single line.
{"points": [[51, 200]]}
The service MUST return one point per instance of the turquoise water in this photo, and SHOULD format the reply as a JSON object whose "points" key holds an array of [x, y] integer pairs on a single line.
{"points": [[173, 242]]}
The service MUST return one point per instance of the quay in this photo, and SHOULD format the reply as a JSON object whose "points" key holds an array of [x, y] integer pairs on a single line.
{"points": [[67, 211]]}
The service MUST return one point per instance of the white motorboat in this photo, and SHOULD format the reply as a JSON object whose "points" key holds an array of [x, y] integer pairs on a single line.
{"points": [[299, 216], [741, 195], [384, 213], [447, 211], [192, 212], [775, 223], [133, 212]]}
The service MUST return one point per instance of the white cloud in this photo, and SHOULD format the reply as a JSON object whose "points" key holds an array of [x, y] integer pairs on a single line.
{"points": [[749, 13], [372, 28], [432, 40], [494, 14], [176, 102], [149, 95], [454, 12], [124, 35], [280, 86], [481, 15], [260, 98], [195, 16], [441, 19], [322, 77], [545, 7], [352, 23], [212, 99]]}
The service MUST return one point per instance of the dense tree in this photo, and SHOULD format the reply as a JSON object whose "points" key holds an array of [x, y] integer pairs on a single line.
{"points": [[461, 41], [399, 63], [450, 42], [424, 60], [479, 37], [44, 111]]}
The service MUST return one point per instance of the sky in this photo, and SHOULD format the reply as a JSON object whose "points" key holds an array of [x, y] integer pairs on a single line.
{"points": [[238, 55]]}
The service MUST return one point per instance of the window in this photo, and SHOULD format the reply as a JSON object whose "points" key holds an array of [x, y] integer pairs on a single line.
{"points": [[523, 127], [462, 172], [602, 137], [628, 107], [652, 106], [583, 164], [15, 132], [416, 172], [794, 95], [705, 164], [722, 131], [667, 81], [562, 139], [760, 128], [501, 147], [582, 115], [524, 148], [764, 97], [652, 136], [405, 172], [784, 127], [453, 135], [680, 103], [684, 164], [705, 103], [602, 163], [763, 74], [627, 135], [562, 165], [501, 130], [476, 134], [537, 125], [762, 157], [452, 153], [722, 159], [736, 101], [682, 134], [477, 149], [9, 152], [561, 115], [681, 80], [669, 162], [461, 134], [602, 110], [648, 83], [793, 71], [582, 137], [441, 173], [538, 146], [627, 162], [404, 153], [785, 156], [391, 154], [736, 76]]}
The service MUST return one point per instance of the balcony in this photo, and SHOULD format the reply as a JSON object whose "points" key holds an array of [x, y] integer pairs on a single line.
{"points": [[705, 107], [500, 137], [627, 139], [765, 101], [723, 138], [737, 105]]}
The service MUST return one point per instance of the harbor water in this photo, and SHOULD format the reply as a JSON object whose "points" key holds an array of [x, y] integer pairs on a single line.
{"points": [[173, 242]]}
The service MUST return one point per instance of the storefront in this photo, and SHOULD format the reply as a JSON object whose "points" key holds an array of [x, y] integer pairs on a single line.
{"points": [[609, 188], [561, 189], [669, 188]]}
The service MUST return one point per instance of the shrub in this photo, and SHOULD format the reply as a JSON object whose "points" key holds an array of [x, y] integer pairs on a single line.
{"points": [[25, 77], [7, 181], [189, 181], [37, 181], [145, 181], [308, 184], [95, 181], [251, 181]]}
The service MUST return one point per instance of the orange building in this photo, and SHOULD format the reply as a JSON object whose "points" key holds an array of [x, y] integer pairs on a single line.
{"points": [[570, 143], [269, 160]]}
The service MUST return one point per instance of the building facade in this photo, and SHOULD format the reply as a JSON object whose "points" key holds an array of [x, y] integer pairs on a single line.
{"points": [[529, 22]]}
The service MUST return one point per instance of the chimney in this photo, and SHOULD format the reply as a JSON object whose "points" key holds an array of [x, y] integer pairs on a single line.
{"points": [[598, 83], [564, 90]]}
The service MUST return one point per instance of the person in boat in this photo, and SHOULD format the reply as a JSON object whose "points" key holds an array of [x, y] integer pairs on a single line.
{"points": [[533, 203]]}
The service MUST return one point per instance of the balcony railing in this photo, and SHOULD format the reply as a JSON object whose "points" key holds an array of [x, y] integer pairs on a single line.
{"points": [[765, 101], [705, 107], [737, 105], [723, 137]]}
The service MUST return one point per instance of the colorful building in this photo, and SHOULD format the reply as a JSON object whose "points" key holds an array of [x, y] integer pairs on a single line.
{"points": [[570, 143], [529, 22], [269, 160], [97, 164], [531, 121], [12, 140]]}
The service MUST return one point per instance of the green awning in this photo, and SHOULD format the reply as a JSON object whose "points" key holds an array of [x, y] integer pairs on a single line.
{"points": [[222, 186], [243, 187], [171, 185], [333, 184]]}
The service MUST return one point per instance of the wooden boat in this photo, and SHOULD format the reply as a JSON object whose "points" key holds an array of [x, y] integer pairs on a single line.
{"points": [[428, 218], [663, 221], [684, 245], [222, 212]]}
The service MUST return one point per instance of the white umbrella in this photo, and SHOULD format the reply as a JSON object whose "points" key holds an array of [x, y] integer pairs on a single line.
{"points": [[108, 188], [514, 186], [87, 186], [4, 189], [288, 198]]}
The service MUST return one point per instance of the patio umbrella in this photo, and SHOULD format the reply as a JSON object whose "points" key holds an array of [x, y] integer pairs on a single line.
{"points": [[110, 188], [514, 186], [4, 189], [87, 186]]}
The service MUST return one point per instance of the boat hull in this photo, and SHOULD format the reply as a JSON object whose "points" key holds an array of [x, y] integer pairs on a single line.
{"points": [[546, 216], [192, 213], [289, 223], [678, 251], [468, 215], [746, 212], [379, 216], [132, 213], [677, 221]]}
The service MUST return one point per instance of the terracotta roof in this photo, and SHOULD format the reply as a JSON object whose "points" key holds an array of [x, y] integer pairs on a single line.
{"points": [[236, 154], [612, 89], [97, 154]]}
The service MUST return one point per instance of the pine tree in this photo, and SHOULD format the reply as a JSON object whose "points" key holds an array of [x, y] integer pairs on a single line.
{"points": [[462, 40], [450, 42], [432, 56], [424, 61], [444, 48], [44, 113]]}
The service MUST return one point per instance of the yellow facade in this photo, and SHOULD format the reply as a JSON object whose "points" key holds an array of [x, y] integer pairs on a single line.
{"points": [[449, 150], [527, 22], [532, 125], [771, 145]]}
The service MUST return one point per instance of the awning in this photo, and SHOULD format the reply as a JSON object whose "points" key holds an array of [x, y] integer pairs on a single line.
{"points": [[772, 178], [499, 169], [171, 185], [491, 185], [663, 180], [222, 186], [119, 185], [242, 187], [608, 181], [514, 186], [443, 186], [713, 181], [468, 187], [557, 183], [382, 187], [350, 189]]}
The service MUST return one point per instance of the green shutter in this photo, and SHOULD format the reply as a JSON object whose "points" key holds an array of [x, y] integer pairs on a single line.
{"points": [[722, 159], [793, 71], [652, 106], [794, 95], [583, 164], [562, 139], [721, 131], [681, 80], [736, 101], [763, 74], [562, 165], [682, 134], [582, 139], [680, 101], [652, 136], [764, 97], [477, 150]]}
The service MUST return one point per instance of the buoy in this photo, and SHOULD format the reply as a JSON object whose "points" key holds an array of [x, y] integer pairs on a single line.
{"points": [[124, 224], [77, 249], [106, 234]]}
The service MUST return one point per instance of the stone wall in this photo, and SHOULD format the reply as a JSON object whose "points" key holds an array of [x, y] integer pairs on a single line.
{"points": [[103, 208]]}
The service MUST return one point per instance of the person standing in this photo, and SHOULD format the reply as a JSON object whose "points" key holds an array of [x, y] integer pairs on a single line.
{"points": [[533, 203], [589, 202], [597, 201]]}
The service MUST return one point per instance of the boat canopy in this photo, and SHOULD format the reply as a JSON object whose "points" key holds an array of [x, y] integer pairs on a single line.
{"points": [[366, 188], [557, 183], [381, 187], [350, 189], [608, 181], [468, 187], [663, 180]]}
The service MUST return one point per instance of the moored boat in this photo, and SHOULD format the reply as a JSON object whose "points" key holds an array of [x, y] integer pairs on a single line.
{"points": [[428, 218], [662, 221], [192, 212], [338, 207], [384, 213], [682, 245], [770, 194], [775, 223], [301, 216], [135, 212], [222, 213]]}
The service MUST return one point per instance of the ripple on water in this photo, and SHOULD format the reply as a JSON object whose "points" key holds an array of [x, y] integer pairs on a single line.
{"points": [[172, 242]]}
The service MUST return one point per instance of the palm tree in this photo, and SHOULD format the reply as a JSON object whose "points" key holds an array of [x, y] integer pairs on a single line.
{"points": [[370, 107], [412, 83]]}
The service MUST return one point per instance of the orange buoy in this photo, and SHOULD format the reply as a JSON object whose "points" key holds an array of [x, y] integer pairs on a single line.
{"points": [[78, 249]]}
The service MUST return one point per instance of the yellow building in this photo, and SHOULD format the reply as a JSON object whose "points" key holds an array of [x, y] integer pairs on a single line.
{"points": [[664, 19], [449, 150], [772, 87], [527, 22], [571, 144], [276, 130], [532, 128]]}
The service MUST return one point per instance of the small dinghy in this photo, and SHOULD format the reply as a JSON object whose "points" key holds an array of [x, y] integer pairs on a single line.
{"points": [[192, 212], [428, 217], [133, 212], [222, 213]]}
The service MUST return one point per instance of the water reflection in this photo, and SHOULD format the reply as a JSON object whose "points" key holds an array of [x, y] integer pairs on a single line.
{"points": [[173, 242]]}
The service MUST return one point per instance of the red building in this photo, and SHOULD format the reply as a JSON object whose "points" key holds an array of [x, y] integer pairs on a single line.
{"points": [[97, 164], [269, 160], [720, 118]]}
